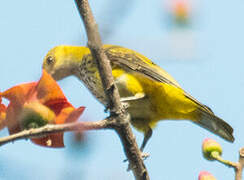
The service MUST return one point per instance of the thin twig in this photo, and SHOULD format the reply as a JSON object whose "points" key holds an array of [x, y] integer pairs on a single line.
{"points": [[52, 128], [240, 165], [122, 118], [237, 166], [218, 158]]}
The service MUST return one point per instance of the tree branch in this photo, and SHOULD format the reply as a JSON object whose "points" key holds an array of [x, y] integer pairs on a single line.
{"points": [[122, 118], [54, 128], [95, 45]]}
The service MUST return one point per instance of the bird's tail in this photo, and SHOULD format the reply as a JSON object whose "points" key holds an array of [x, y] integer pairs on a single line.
{"points": [[209, 121]]}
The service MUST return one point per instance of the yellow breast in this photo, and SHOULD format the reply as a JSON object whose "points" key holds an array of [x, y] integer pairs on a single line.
{"points": [[161, 101]]}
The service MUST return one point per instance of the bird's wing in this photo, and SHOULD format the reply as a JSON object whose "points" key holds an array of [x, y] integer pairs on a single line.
{"points": [[134, 61]]}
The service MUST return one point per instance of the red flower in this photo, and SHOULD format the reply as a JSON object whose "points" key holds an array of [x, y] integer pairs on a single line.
{"points": [[36, 104]]}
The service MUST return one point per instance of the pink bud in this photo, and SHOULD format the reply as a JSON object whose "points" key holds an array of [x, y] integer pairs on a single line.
{"points": [[209, 147], [204, 175]]}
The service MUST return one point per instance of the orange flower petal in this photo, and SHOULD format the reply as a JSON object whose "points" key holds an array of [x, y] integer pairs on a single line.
{"points": [[17, 96], [20, 93], [56, 105], [2, 114], [48, 89], [12, 121], [52, 140], [2, 106], [69, 114], [63, 115], [74, 115]]}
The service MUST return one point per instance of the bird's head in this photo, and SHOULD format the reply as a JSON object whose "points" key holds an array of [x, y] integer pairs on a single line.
{"points": [[62, 61]]}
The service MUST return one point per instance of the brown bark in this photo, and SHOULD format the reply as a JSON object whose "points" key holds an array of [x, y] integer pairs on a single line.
{"points": [[122, 118]]}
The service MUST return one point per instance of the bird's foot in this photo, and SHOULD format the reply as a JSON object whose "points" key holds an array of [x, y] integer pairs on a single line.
{"points": [[125, 105], [144, 156]]}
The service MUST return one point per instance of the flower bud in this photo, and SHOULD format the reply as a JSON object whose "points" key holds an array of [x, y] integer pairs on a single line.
{"points": [[204, 175], [181, 11], [210, 147]]}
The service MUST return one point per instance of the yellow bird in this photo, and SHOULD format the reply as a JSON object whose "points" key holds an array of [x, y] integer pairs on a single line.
{"points": [[151, 93]]}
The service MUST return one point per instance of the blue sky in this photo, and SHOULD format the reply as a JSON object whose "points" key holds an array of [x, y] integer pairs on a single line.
{"points": [[206, 59]]}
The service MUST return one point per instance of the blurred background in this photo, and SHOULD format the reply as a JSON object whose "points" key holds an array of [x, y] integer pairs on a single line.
{"points": [[200, 43]]}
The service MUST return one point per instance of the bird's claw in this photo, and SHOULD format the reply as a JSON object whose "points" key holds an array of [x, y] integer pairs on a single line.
{"points": [[144, 156], [125, 105]]}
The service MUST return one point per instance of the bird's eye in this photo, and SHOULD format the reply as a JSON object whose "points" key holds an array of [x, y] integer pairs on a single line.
{"points": [[50, 60]]}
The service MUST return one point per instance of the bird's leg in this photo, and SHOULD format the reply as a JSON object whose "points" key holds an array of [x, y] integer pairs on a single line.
{"points": [[137, 96], [124, 104], [147, 136]]}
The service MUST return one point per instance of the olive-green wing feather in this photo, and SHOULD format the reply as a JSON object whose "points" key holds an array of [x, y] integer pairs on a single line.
{"points": [[129, 59]]}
